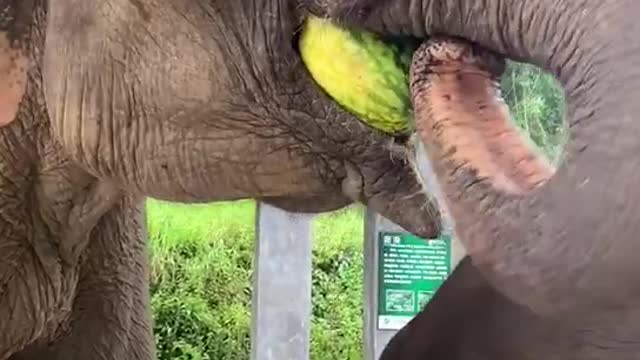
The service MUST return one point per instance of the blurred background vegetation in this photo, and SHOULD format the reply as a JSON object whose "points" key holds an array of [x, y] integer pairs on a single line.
{"points": [[201, 255]]}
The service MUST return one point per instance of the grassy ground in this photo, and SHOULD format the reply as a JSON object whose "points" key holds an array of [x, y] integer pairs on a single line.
{"points": [[201, 271]]}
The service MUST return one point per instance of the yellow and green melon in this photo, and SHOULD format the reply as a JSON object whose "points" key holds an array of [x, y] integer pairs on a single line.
{"points": [[362, 72]]}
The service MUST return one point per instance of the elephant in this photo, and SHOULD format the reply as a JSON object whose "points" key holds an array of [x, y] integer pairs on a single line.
{"points": [[456, 93], [105, 103], [468, 319], [564, 248]]}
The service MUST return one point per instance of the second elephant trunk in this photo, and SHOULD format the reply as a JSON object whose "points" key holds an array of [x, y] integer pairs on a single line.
{"points": [[567, 245]]}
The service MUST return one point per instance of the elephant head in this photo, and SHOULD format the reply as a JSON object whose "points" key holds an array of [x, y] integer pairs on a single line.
{"points": [[105, 102], [204, 101], [568, 244]]}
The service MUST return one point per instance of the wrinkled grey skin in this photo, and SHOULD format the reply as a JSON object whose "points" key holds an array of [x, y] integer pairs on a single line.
{"points": [[468, 319], [197, 100], [568, 247], [188, 101]]}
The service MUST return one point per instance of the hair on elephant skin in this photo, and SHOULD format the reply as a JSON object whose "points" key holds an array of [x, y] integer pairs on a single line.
{"points": [[468, 319], [104, 103]]}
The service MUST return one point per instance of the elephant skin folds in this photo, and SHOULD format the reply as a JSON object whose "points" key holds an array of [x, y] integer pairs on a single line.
{"points": [[192, 101], [66, 277]]}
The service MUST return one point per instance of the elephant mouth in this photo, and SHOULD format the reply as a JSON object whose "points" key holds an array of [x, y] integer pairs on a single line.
{"points": [[363, 73], [463, 111]]}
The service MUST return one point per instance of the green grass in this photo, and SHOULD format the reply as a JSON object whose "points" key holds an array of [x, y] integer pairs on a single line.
{"points": [[201, 267], [202, 255], [200, 279]]}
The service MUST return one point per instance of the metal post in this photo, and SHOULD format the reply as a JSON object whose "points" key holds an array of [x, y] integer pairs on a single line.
{"points": [[412, 270], [281, 309]]}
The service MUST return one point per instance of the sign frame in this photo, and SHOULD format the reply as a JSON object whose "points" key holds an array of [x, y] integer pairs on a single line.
{"points": [[374, 338]]}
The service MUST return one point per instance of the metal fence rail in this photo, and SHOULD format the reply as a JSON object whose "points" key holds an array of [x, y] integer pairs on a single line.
{"points": [[401, 272], [281, 314]]}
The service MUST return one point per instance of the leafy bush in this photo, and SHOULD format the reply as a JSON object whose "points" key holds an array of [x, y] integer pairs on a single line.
{"points": [[536, 103], [201, 256]]}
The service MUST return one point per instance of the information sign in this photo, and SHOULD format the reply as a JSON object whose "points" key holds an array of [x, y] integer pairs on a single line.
{"points": [[410, 271]]}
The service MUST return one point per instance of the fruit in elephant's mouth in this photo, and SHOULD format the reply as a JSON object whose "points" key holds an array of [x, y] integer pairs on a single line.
{"points": [[365, 74]]}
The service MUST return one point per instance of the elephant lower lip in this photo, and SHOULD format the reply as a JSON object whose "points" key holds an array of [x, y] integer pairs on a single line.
{"points": [[459, 111]]}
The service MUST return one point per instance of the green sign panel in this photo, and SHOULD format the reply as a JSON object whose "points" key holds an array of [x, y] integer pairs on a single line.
{"points": [[410, 271]]}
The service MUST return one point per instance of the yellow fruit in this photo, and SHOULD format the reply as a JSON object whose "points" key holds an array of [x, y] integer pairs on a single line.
{"points": [[360, 71]]}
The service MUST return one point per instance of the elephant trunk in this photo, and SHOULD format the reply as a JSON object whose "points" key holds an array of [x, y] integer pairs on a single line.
{"points": [[567, 245]]}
